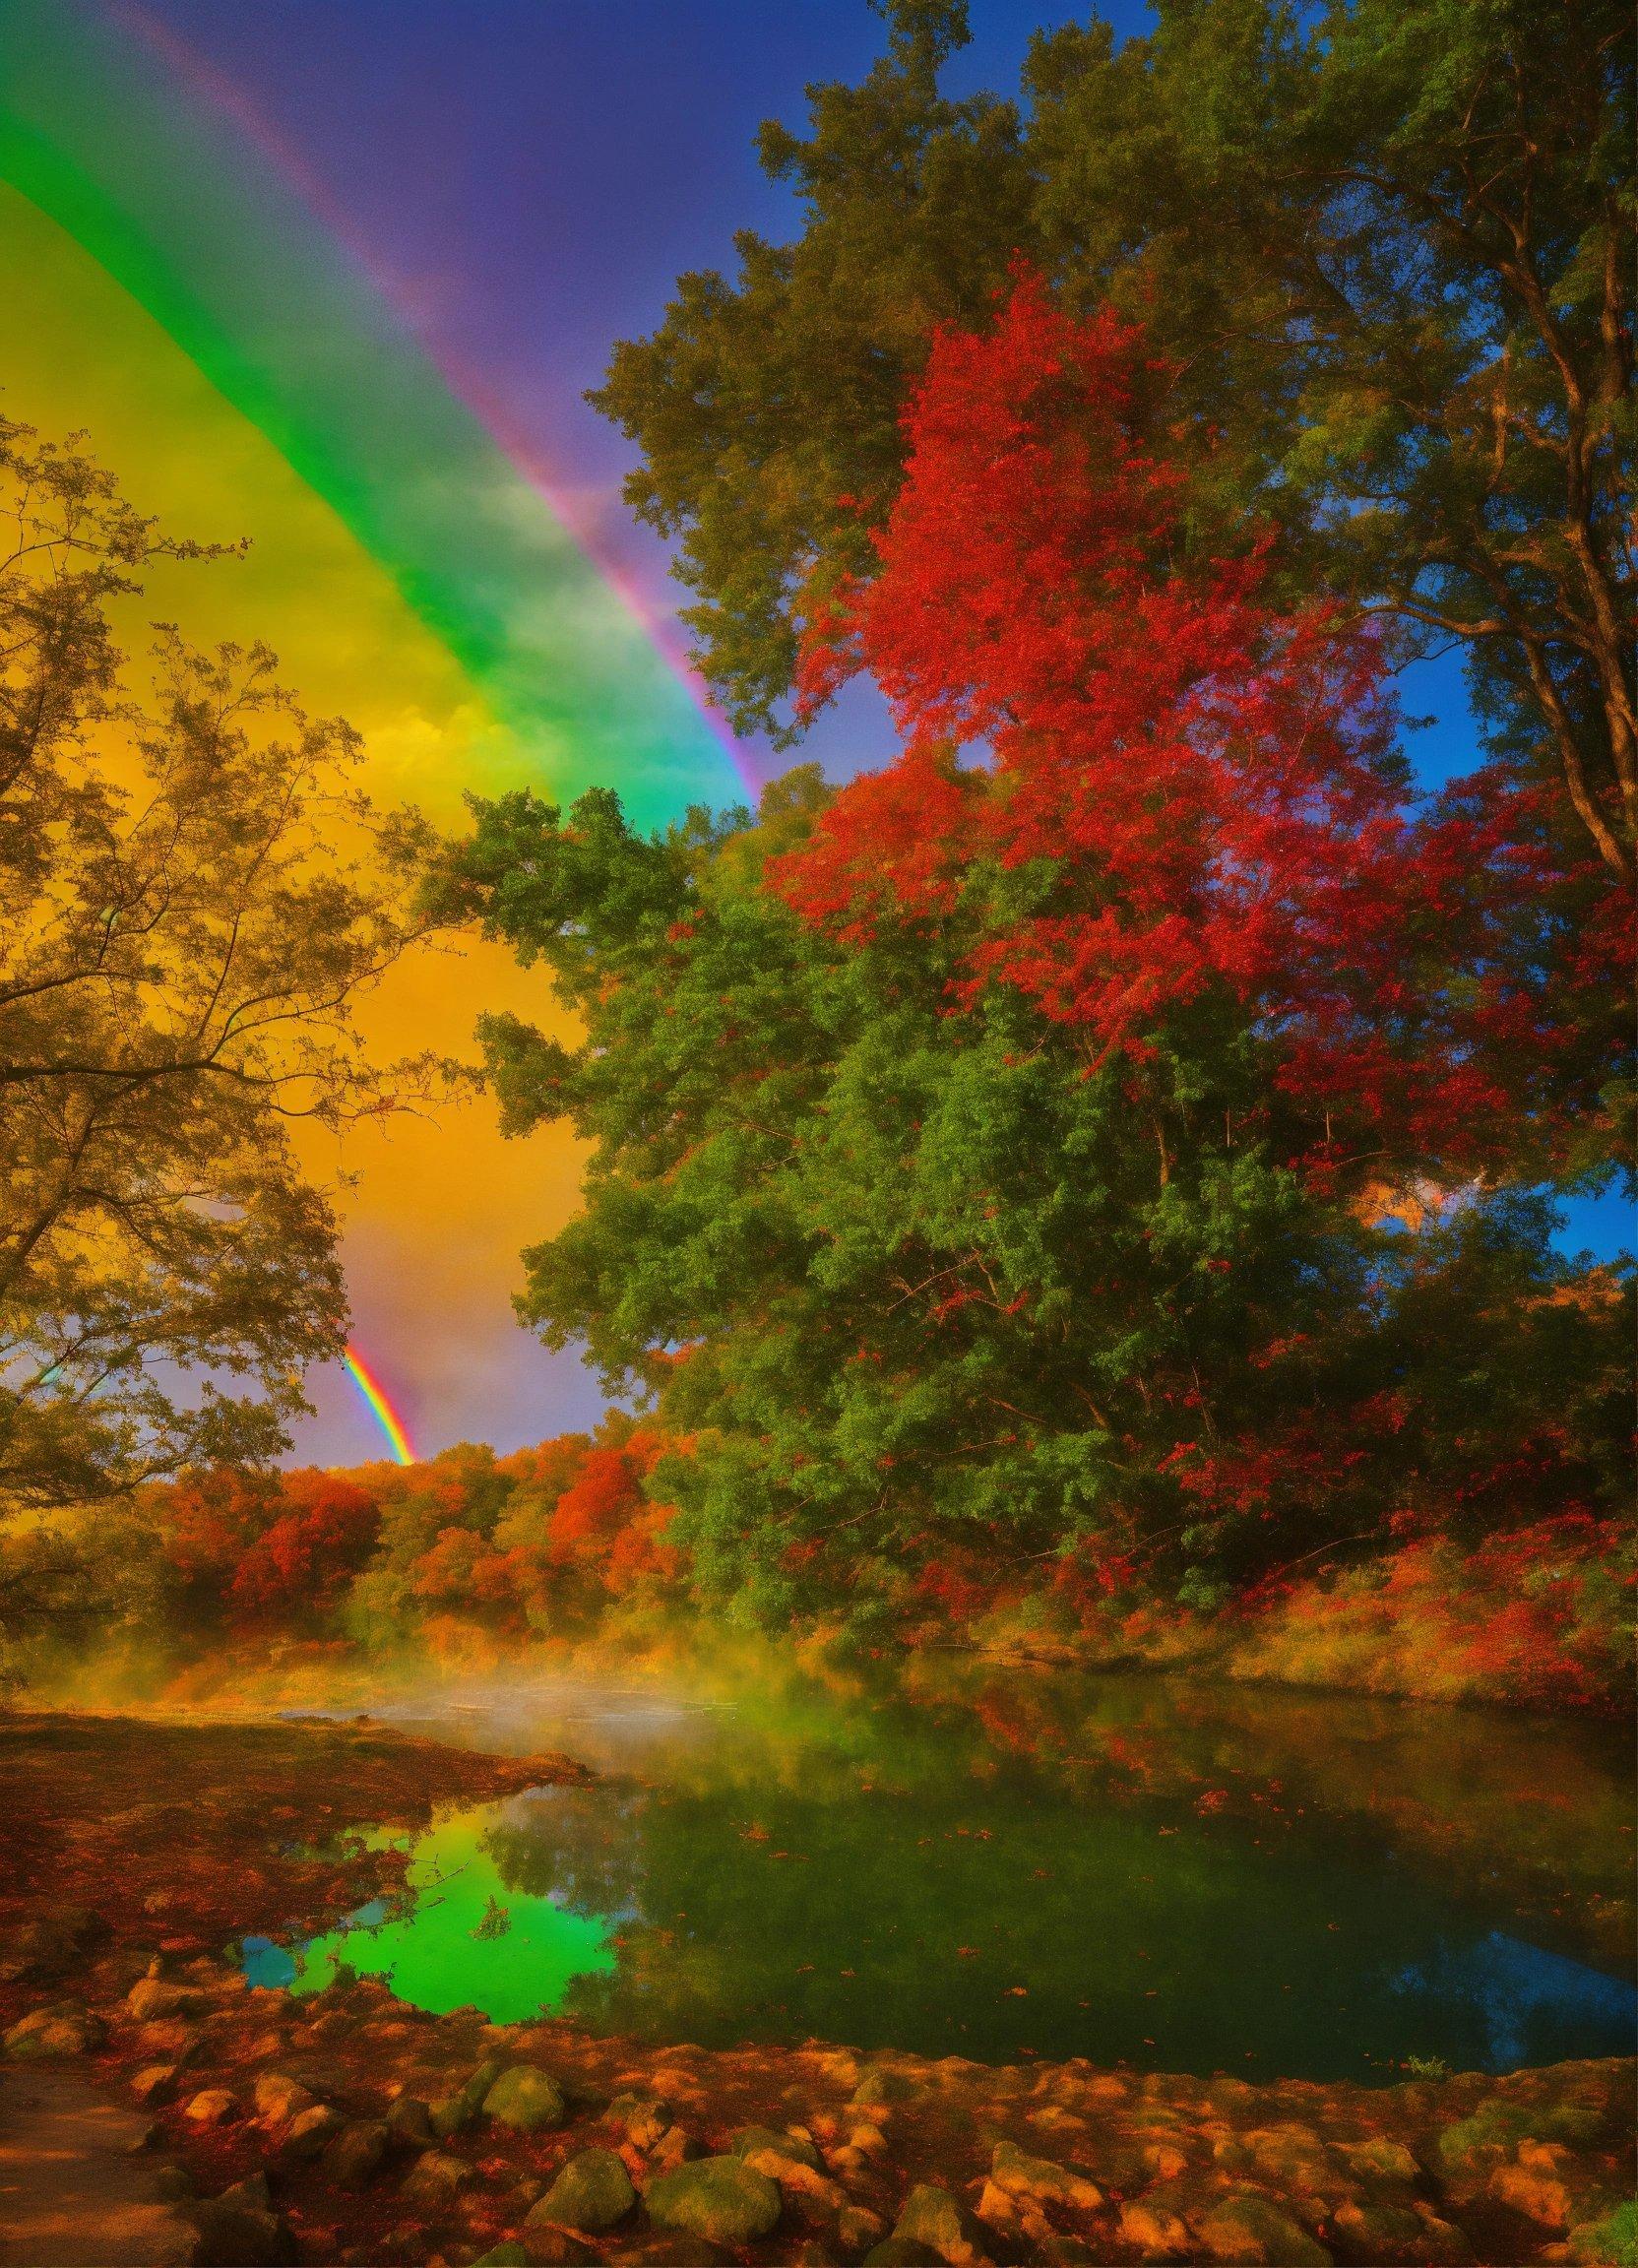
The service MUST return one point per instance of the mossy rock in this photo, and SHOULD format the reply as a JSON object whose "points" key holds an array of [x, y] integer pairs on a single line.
{"points": [[1252, 2229], [902, 2253], [747, 2140], [721, 2199], [593, 2191], [931, 2216], [507, 2255], [1499, 2127], [527, 2097], [68, 2029], [1393, 2236], [880, 2086], [452, 2113], [1020, 2175], [1612, 2243]]}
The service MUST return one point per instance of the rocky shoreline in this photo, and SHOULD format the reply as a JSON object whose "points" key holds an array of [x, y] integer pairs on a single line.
{"points": [[347, 2127]]}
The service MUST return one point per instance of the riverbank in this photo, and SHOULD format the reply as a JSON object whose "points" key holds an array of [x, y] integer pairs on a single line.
{"points": [[345, 2125]]}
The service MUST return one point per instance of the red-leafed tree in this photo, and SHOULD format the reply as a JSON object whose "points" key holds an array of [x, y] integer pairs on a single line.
{"points": [[1187, 795]]}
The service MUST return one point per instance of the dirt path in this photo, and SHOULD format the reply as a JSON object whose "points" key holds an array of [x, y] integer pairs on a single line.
{"points": [[72, 2193]]}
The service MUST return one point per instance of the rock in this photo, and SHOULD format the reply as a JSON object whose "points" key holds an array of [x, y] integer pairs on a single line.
{"points": [[435, 2178], [1599, 2243], [675, 2147], [902, 2253], [309, 2132], [240, 2230], [550, 2246], [869, 2139], [642, 2118], [857, 2228], [355, 2153], [409, 2123], [721, 2199], [1532, 2187], [525, 2098], [215, 2106], [1381, 2162], [66, 2029], [1251, 2229], [881, 2085], [279, 2097], [452, 2113], [931, 2216], [1469, 2149], [1153, 2232], [154, 2084], [1289, 2157], [154, 1999], [173, 2183], [593, 2190], [1384, 2236], [1020, 2175], [745, 2141], [504, 2256]]}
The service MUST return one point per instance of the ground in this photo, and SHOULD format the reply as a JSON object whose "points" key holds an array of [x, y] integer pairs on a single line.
{"points": [[347, 2127]]}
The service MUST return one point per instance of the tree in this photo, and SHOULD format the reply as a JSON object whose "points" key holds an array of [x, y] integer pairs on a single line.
{"points": [[1383, 247], [992, 1155], [194, 894]]}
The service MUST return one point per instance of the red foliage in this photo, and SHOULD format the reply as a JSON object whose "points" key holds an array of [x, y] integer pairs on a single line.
{"points": [[1207, 780], [603, 1525], [325, 1531]]}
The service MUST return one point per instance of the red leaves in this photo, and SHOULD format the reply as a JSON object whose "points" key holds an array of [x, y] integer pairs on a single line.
{"points": [[1200, 782]]}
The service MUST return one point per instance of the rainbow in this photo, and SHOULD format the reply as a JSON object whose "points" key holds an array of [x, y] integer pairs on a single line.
{"points": [[380, 1408], [160, 174]]}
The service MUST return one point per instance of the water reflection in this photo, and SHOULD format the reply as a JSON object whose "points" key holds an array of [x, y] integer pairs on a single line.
{"points": [[1171, 1879]]}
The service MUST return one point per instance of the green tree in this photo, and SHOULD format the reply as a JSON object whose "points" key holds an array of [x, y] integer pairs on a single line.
{"points": [[1383, 247], [913, 1284], [194, 893]]}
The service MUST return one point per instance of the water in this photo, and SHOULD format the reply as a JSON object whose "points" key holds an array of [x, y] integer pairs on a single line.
{"points": [[1137, 1871]]}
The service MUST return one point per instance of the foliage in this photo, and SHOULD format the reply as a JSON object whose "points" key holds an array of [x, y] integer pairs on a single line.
{"points": [[1005, 1158], [1383, 248], [187, 929]]}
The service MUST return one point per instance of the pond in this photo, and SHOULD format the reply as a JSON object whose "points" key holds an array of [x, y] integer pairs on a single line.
{"points": [[1004, 1865]]}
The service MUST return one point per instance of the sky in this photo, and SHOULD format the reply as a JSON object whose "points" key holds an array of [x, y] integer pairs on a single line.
{"points": [[471, 200]]}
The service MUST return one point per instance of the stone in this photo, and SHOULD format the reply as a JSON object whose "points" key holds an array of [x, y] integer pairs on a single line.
{"points": [[721, 2199], [215, 2106], [1020, 2175], [154, 2084], [931, 2216], [527, 2097], [240, 2230], [452, 2113], [1613, 2239], [1252, 2229], [747, 2140], [902, 2253], [152, 1999], [504, 2256], [593, 2190], [880, 2086], [356, 2151], [1154, 2232], [675, 2147], [409, 2125], [279, 2097], [550, 2246], [310, 2132], [66, 2029], [435, 2177], [1532, 2185], [1383, 2235], [642, 2118], [857, 2228], [1381, 2162]]}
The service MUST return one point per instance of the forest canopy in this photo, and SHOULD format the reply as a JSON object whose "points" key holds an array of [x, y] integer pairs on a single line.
{"points": [[1117, 1138]]}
